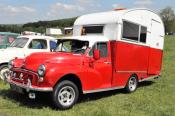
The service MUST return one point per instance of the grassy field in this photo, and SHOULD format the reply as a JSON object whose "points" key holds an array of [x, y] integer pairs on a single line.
{"points": [[152, 98]]}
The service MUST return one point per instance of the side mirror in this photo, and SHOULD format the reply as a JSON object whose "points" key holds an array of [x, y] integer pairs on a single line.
{"points": [[52, 50], [96, 54]]}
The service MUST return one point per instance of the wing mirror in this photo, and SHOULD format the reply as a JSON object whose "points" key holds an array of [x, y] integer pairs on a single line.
{"points": [[96, 54], [52, 49]]}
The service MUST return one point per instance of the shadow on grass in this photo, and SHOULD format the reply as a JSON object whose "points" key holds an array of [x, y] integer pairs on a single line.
{"points": [[45, 100], [42, 100]]}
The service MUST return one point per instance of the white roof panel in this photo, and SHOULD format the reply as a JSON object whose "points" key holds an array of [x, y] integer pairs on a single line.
{"points": [[105, 17], [37, 37]]}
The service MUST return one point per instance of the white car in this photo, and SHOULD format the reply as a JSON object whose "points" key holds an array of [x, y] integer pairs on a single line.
{"points": [[22, 47]]}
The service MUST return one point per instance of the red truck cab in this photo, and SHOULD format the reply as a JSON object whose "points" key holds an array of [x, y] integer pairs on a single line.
{"points": [[104, 54]]}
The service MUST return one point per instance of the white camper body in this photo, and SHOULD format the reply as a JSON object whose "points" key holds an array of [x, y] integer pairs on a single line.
{"points": [[113, 24]]}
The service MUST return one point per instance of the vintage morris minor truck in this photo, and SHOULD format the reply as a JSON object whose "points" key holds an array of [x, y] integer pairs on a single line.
{"points": [[109, 50]]}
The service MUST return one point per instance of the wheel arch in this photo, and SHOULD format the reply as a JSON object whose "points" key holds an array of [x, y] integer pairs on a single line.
{"points": [[73, 78], [4, 63], [133, 74], [136, 75]]}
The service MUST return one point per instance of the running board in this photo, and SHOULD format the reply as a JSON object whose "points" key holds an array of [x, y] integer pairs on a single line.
{"points": [[150, 78], [120, 87], [101, 90]]}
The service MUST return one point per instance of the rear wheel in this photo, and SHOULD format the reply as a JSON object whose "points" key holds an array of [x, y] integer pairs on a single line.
{"points": [[65, 95], [3, 69], [132, 84]]}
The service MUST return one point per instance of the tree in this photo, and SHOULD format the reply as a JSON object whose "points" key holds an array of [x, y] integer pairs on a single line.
{"points": [[168, 17]]}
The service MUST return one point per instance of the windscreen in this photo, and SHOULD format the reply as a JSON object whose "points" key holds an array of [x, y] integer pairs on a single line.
{"points": [[19, 42], [6, 40], [72, 46]]}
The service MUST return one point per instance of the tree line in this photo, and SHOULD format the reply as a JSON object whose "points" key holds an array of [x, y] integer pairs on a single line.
{"points": [[167, 14], [39, 26]]}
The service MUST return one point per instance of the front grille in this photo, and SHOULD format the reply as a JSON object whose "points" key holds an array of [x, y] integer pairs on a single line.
{"points": [[22, 76]]}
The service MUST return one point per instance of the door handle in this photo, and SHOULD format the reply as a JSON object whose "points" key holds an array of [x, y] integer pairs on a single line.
{"points": [[107, 62]]}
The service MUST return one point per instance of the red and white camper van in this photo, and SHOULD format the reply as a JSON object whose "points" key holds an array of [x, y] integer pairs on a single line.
{"points": [[109, 50]]}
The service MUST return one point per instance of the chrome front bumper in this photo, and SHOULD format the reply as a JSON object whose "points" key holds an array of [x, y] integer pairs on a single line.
{"points": [[28, 87]]}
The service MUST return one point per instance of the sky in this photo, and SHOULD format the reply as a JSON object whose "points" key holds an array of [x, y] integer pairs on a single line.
{"points": [[24, 11]]}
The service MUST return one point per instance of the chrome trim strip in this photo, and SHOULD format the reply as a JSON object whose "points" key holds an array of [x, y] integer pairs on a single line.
{"points": [[24, 70], [131, 71], [149, 78], [100, 90], [29, 87], [107, 62]]}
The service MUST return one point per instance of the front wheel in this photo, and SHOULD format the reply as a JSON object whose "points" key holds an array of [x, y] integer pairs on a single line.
{"points": [[65, 95], [3, 70], [132, 84]]}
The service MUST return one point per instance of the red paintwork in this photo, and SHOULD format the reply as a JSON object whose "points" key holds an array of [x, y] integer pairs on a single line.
{"points": [[18, 62], [141, 60], [155, 61], [126, 59]]}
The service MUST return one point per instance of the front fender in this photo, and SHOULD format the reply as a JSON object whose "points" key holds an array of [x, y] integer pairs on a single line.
{"points": [[55, 72], [89, 81]]}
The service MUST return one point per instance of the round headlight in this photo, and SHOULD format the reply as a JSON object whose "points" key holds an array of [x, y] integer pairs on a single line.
{"points": [[10, 64], [41, 70]]}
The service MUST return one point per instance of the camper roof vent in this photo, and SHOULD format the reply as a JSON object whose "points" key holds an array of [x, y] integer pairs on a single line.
{"points": [[117, 9]]}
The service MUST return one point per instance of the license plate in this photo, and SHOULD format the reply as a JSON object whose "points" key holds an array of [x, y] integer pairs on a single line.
{"points": [[16, 88]]}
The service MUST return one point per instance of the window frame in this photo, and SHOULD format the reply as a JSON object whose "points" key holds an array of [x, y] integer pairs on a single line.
{"points": [[95, 44], [140, 34], [135, 41], [100, 25], [25, 45], [38, 49]]}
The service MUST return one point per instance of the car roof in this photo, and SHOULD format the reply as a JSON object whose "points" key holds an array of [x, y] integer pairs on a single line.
{"points": [[37, 37]]}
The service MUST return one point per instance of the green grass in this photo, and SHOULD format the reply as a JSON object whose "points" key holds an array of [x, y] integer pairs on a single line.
{"points": [[152, 98]]}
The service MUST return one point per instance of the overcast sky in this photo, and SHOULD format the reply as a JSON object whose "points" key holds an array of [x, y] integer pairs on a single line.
{"points": [[23, 11]]}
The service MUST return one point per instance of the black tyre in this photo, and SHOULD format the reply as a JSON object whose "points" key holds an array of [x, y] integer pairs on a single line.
{"points": [[3, 69], [65, 95], [132, 84]]}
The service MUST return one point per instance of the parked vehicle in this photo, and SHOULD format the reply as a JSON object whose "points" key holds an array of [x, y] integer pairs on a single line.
{"points": [[109, 50], [170, 33], [6, 38], [22, 47]]}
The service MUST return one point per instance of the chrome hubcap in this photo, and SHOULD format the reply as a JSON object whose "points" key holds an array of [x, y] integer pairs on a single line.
{"points": [[66, 96], [132, 83], [3, 71]]}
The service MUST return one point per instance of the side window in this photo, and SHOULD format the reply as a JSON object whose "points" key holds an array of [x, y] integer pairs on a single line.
{"points": [[130, 31], [92, 49], [134, 32], [53, 45], [102, 47], [92, 30], [143, 34], [38, 44]]}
